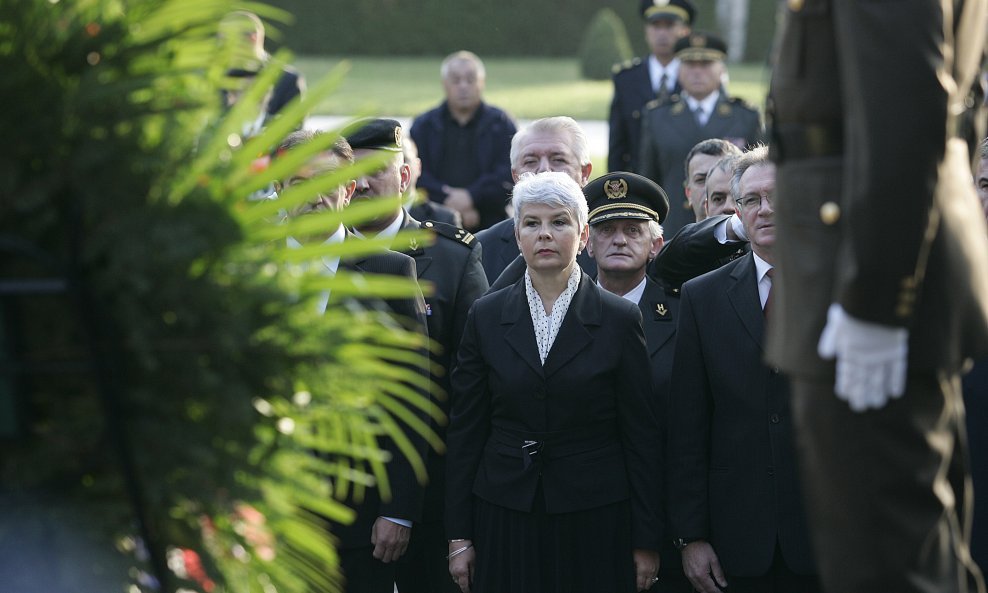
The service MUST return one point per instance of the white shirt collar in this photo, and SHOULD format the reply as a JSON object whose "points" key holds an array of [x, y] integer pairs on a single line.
{"points": [[635, 294], [389, 231], [708, 103], [764, 282], [655, 71]]}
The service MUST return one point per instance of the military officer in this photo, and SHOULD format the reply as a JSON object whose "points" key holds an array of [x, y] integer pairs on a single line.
{"points": [[641, 80], [626, 211], [451, 266], [882, 266], [703, 110]]}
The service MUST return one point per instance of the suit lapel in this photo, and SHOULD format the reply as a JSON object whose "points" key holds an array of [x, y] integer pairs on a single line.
{"points": [[573, 335], [422, 261], [519, 332], [510, 249], [743, 294], [658, 319]]}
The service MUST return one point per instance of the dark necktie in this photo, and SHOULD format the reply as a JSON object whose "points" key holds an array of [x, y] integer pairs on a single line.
{"points": [[698, 115], [662, 93]]}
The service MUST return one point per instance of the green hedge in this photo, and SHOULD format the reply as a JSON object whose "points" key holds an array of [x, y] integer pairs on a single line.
{"points": [[604, 44], [505, 28]]}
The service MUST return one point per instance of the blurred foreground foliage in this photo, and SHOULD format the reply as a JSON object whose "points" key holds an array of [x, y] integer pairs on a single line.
{"points": [[154, 328]]}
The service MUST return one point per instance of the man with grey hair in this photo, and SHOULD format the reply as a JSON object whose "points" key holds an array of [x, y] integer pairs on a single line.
{"points": [[547, 144], [463, 144], [735, 502]]}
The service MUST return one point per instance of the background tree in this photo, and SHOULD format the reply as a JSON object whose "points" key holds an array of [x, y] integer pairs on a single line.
{"points": [[167, 389]]}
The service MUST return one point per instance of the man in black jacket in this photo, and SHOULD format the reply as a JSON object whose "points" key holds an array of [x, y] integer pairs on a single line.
{"points": [[464, 146]]}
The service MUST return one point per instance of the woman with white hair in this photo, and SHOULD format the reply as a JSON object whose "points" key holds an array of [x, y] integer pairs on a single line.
{"points": [[553, 453]]}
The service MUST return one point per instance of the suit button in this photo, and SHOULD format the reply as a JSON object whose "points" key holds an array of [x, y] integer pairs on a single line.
{"points": [[539, 394], [775, 418], [771, 472], [635, 114], [830, 213]]}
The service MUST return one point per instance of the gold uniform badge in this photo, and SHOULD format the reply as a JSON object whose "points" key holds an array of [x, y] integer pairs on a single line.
{"points": [[615, 189]]}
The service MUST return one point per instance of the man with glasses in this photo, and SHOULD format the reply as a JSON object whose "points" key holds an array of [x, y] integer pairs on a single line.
{"points": [[734, 502]]}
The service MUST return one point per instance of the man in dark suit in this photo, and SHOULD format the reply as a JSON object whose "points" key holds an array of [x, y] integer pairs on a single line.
{"points": [[464, 144], [700, 112], [883, 265], [451, 268], [735, 501], [367, 551], [548, 144], [641, 80]]}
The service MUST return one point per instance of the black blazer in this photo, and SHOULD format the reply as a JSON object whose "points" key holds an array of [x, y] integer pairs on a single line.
{"points": [[732, 465], [694, 251], [407, 494], [588, 408]]}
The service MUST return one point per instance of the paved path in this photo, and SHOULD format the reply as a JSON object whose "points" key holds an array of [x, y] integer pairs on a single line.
{"points": [[596, 129]]}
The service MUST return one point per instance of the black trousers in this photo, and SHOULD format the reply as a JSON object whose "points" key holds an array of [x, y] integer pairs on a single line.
{"points": [[887, 491], [364, 573], [424, 567], [779, 579]]}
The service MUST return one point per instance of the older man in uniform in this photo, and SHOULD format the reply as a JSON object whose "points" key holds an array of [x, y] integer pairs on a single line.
{"points": [[626, 211], [700, 112], [639, 81], [883, 281], [451, 267]]}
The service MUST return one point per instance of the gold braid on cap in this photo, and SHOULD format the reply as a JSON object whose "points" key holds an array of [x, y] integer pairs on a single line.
{"points": [[676, 10], [624, 207]]}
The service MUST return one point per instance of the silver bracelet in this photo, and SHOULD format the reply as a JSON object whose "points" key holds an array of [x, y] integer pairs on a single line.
{"points": [[459, 551]]}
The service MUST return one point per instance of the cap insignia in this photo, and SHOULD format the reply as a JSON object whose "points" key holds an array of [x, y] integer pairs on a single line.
{"points": [[398, 136], [615, 189], [698, 41]]}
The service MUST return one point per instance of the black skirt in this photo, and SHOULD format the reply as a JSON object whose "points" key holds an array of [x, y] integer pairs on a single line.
{"points": [[536, 552]]}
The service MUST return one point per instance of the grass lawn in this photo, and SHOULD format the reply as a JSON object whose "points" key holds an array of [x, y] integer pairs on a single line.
{"points": [[527, 88]]}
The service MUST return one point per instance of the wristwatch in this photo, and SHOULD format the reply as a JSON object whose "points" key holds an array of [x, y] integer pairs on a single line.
{"points": [[681, 542]]}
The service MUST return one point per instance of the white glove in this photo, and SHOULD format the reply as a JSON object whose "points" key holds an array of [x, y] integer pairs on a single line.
{"points": [[738, 226], [871, 359]]}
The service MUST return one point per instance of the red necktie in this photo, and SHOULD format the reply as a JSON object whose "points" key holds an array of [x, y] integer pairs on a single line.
{"points": [[768, 299]]}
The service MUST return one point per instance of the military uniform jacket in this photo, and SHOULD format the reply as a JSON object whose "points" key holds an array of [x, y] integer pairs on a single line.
{"points": [[632, 90], [876, 208], [451, 267], [407, 495], [732, 468], [587, 409], [670, 130]]}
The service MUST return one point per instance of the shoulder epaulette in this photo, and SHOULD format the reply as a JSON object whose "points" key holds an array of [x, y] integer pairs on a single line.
{"points": [[741, 103], [625, 65], [452, 232]]}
